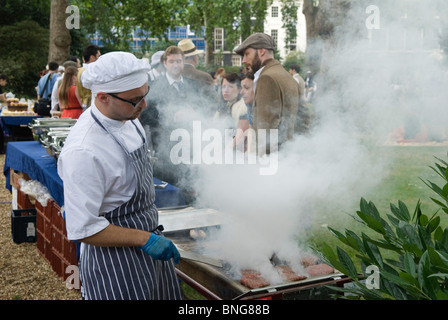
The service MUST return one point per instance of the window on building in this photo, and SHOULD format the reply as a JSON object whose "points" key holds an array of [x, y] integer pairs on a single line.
{"points": [[219, 39], [274, 35], [274, 12], [236, 60]]}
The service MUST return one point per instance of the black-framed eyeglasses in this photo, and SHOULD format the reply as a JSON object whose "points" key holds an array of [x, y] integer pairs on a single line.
{"points": [[134, 104]]}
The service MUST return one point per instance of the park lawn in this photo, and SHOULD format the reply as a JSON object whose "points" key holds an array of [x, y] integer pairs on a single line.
{"points": [[409, 166]]}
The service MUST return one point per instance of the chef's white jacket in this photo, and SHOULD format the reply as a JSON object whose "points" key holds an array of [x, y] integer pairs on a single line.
{"points": [[97, 174]]}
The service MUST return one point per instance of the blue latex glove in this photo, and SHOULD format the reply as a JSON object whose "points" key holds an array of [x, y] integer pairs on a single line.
{"points": [[160, 248]]}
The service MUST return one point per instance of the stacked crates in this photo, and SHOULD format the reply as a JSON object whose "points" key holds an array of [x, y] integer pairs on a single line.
{"points": [[52, 241], [50, 232]]}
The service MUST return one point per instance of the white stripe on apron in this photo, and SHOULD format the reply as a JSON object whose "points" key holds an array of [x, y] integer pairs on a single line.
{"points": [[128, 273]]}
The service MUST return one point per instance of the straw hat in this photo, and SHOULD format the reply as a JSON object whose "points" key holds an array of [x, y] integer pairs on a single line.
{"points": [[188, 47]]}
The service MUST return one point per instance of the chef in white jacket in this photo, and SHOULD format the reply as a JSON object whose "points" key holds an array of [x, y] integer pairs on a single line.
{"points": [[108, 189]]}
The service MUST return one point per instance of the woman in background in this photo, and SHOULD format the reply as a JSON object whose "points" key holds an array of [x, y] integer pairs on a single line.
{"points": [[234, 108], [68, 102]]}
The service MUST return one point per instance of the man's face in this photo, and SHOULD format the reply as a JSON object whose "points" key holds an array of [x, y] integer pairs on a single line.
{"points": [[121, 110], [95, 57], [174, 65], [252, 60]]}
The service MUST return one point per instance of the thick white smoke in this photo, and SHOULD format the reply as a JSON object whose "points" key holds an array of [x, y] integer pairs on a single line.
{"points": [[377, 82]]}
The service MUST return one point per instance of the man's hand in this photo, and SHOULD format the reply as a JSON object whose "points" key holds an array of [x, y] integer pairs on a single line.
{"points": [[160, 248]]}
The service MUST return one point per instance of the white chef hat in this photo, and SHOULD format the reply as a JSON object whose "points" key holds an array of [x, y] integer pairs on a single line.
{"points": [[115, 72]]}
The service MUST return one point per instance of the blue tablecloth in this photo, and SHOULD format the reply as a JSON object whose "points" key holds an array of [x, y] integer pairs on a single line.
{"points": [[6, 121], [31, 158]]}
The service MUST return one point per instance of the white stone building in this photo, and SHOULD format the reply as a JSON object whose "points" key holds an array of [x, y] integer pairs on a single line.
{"points": [[273, 25]]}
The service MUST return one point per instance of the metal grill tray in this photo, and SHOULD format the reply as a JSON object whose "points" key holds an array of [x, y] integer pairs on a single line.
{"points": [[184, 219]]}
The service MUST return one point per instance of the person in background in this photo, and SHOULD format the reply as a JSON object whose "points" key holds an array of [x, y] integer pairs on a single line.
{"points": [[174, 103], [302, 124], [90, 54], [109, 192], [3, 82], [75, 59], [68, 102], [203, 79], [55, 110], [234, 111], [310, 87], [294, 70], [276, 92], [247, 93], [52, 76], [157, 68]]}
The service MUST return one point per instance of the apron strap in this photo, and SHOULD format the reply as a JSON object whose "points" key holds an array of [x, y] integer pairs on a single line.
{"points": [[118, 141]]}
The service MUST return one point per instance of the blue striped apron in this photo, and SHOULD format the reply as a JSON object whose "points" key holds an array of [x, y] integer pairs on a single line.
{"points": [[128, 273]]}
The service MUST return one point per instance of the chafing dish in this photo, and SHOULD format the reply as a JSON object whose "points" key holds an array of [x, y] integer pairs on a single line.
{"points": [[55, 144], [41, 126], [49, 136]]}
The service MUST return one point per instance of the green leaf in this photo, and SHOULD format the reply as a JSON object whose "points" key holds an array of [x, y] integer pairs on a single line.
{"points": [[424, 220], [408, 283], [409, 264], [438, 259], [330, 257], [372, 251], [372, 222], [438, 234], [439, 203], [425, 237], [409, 278], [413, 248], [399, 213], [354, 240], [434, 223], [404, 210], [347, 263], [445, 191], [408, 234], [394, 221], [430, 285], [442, 295]]}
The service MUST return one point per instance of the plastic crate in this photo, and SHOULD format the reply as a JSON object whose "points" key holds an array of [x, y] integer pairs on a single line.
{"points": [[23, 225], [57, 218], [59, 264], [44, 247]]}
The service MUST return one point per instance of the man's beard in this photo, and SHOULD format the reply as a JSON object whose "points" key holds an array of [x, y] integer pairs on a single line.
{"points": [[256, 63]]}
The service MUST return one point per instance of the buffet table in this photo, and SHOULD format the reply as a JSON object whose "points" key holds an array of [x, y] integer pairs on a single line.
{"points": [[30, 157], [19, 121]]}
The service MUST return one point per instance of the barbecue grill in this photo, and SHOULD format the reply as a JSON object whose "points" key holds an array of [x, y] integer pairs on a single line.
{"points": [[214, 278]]}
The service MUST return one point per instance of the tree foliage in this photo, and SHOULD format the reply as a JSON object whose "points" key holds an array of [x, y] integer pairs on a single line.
{"points": [[157, 17], [24, 56], [289, 16], [14, 11]]}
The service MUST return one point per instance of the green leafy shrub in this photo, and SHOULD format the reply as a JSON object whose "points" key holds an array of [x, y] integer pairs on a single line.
{"points": [[416, 247]]}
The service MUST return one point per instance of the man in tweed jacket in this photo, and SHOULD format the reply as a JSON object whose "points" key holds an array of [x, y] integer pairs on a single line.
{"points": [[276, 92]]}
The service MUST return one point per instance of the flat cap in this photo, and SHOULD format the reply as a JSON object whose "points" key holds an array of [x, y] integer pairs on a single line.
{"points": [[256, 41]]}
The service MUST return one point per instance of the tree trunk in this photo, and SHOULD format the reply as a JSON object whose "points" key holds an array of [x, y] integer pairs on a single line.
{"points": [[60, 38], [313, 46]]}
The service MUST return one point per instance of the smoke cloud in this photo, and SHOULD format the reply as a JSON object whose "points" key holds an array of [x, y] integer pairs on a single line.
{"points": [[378, 85]]}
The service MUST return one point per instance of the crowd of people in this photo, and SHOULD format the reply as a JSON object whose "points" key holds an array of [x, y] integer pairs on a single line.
{"points": [[263, 95], [61, 86]]}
